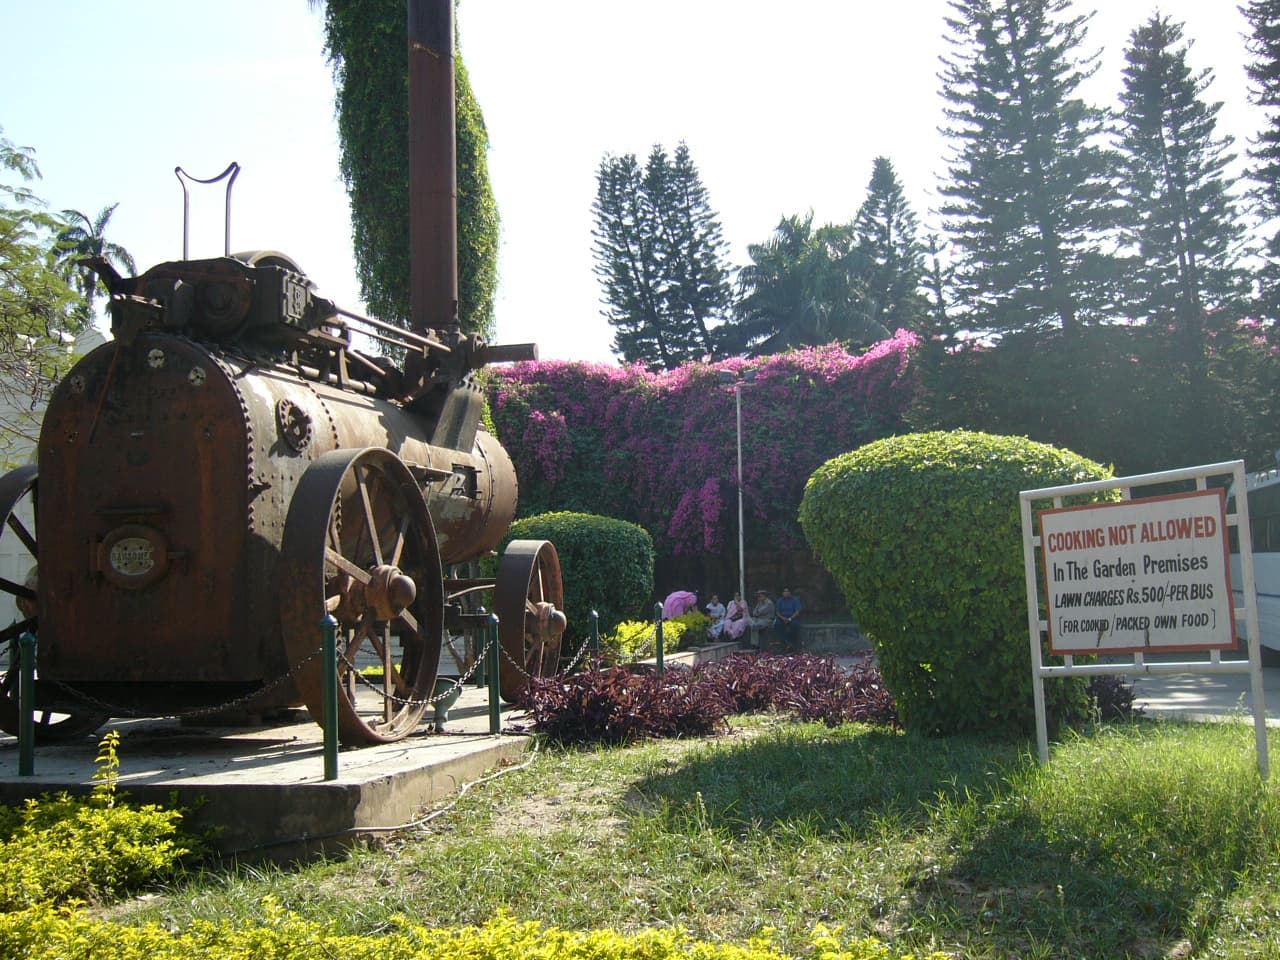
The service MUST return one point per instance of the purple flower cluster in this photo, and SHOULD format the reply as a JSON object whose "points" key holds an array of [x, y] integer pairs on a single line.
{"points": [[659, 449]]}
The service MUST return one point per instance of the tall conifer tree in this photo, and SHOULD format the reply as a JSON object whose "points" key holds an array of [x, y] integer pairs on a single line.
{"points": [[1030, 197], [660, 257], [891, 257], [1264, 71], [1180, 220]]}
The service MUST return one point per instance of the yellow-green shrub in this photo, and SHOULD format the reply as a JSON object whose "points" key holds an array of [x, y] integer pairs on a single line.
{"points": [[62, 848], [47, 933], [632, 638]]}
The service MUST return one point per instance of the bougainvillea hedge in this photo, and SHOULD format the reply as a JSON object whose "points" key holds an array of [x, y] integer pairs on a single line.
{"points": [[660, 450]]}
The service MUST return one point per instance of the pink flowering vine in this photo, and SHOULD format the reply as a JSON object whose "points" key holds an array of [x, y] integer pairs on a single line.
{"points": [[659, 449]]}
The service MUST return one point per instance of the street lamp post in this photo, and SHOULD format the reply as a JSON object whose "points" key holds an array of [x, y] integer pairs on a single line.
{"points": [[746, 376]]}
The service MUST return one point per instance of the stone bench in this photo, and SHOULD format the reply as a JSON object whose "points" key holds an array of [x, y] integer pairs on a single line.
{"points": [[837, 638], [832, 638]]}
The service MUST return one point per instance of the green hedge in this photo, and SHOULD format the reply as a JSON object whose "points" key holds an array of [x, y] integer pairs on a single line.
{"points": [[923, 534], [607, 566]]}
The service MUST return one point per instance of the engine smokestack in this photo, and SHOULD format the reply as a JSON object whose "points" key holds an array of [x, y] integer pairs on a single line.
{"points": [[433, 181]]}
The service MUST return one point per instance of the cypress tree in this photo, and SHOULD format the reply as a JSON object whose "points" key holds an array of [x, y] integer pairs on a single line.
{"points": [[1030, 195]]}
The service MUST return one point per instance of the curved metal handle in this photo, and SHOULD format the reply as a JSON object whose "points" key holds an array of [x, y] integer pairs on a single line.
{"points": [[232, 171]]}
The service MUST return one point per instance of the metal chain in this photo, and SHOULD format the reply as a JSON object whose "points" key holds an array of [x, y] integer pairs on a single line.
{"points": [[577, 659], [456, 685], [572, 665], [116, 710]]}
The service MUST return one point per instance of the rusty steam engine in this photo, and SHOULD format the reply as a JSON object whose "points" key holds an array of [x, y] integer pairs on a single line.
{"points": [[230, 469]]}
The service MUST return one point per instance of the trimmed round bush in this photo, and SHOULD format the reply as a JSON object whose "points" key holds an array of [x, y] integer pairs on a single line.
{"points": [[924, 536], [607, 566]]}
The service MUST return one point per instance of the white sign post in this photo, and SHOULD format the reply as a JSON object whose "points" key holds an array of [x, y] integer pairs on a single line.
{"points": [[1138, 576]]}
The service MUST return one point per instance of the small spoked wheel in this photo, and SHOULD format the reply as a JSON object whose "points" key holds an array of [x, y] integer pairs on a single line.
{"points": [[529, 602], [18, 540], [359, 545]]}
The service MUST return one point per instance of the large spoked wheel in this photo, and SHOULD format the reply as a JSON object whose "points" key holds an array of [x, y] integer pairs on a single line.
{"points": [[529, 602], [18, 540], [359, 544]]}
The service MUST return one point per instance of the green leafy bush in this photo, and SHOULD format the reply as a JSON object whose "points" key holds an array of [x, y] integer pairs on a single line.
{"points": [[634, 638], [923, 534], [607, 566], [61, 848], [47, 934]]}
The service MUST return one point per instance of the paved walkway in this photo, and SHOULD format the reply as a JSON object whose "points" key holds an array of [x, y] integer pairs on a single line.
{"points": [[1200, 696], [1190, 696]]}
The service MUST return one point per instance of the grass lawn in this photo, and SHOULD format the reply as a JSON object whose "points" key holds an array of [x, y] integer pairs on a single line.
{"points": [[1144, 839]]}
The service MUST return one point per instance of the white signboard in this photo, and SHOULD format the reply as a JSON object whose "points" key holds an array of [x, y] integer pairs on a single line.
{"points": [[1139, 575]]}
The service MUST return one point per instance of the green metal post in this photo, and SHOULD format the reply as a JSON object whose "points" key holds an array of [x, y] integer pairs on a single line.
{"points": [[482, 672], [329, 682], [595, 634], [492, 665], [26, 705], [657, 629]]}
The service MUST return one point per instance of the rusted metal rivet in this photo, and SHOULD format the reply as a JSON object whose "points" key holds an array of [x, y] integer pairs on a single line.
{"points": [[77, 384], [197, 376]]}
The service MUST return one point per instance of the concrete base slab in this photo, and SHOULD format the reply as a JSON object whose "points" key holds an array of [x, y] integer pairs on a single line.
{"points": [[261, 789]]}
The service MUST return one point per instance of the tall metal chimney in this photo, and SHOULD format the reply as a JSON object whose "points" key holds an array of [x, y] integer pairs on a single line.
{"points": [[433, 181]]}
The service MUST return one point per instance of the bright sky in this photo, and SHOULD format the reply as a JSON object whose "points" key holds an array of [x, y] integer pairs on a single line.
{"points": [[784, 106]]}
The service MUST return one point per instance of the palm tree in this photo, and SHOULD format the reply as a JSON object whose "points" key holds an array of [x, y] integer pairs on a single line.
{"points": [[83, 238], [801, 289]]}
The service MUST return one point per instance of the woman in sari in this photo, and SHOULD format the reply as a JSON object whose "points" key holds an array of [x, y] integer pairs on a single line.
{"points": [[735, 618]]}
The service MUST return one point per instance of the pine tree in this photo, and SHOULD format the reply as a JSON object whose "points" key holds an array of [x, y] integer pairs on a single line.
{"points": [[1030, 196], [891, 259], [695, 248], [660, 257], [937, 281], [1180, 221], [1264, 71], [626, 263]]}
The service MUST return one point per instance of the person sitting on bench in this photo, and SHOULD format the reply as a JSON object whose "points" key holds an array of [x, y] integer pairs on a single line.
{"points": [[787, 622]]}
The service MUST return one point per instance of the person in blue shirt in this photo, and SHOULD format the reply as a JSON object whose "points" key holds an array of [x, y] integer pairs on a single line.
{"points": [[787, 622]]}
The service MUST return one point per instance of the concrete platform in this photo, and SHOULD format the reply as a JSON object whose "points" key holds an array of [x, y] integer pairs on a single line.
{"points": [[262, 788]]}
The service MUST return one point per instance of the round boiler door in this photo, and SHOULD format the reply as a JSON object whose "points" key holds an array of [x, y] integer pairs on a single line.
{"points": [[134, 555]]}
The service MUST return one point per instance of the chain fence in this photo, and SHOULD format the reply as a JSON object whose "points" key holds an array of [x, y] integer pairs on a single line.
{"points": [[119, 710], [474, 663]]}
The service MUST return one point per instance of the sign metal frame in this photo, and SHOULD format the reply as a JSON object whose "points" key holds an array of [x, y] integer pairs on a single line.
{"points": [[1050, 501]]}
